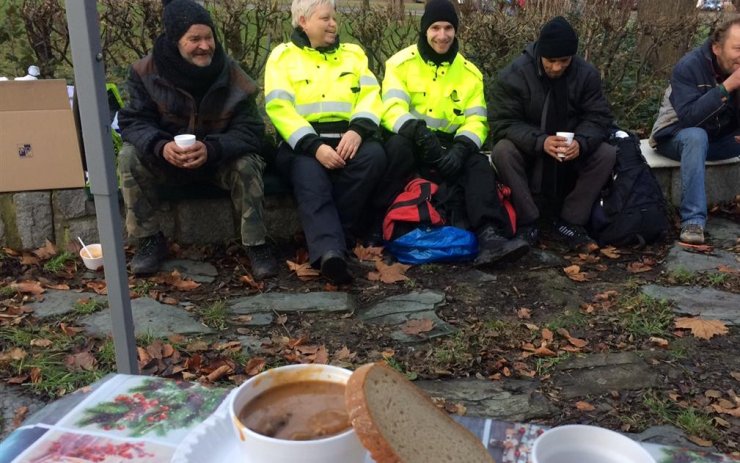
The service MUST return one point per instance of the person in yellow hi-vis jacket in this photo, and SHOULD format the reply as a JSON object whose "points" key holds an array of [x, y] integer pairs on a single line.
{"points": [[435, 107], [325, 104]]}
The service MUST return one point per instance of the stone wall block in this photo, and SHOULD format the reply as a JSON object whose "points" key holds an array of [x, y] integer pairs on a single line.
{"points": [[85, 227], [2, 232], [34, 218], [205, 221], [71, 204]]}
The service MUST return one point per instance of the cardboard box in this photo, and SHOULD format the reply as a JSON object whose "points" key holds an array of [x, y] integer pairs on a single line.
{"points": [[39, 149]]}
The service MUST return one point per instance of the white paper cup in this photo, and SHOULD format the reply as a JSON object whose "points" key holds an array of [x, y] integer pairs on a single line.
{"points": [[587, 444], [568, 135], [185, 140], [256, 448], [92, 256]]}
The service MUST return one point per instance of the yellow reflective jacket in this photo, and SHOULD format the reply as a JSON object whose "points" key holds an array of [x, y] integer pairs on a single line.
{"points": [[449, 97], [305, 87]]}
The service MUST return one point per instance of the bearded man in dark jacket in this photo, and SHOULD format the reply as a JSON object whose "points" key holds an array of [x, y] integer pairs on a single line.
{"points": [[544, 91], [189, 86]]}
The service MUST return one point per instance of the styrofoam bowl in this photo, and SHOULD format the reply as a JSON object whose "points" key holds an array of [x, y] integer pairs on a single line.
{"points": [[92, 256], [587, 444]]}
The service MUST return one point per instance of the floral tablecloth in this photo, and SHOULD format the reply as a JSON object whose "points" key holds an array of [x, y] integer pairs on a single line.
{"points": [[125, 418]]}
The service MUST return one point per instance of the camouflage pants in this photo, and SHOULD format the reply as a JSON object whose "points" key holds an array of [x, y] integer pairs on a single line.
{"points": [[242, 178]]}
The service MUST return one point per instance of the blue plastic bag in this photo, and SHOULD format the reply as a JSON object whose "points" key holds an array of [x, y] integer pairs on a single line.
{"points": [[436, 244]]}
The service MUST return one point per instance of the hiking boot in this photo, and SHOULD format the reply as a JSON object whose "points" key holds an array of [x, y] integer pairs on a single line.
{"points": [[334, 267], [692, 233], [528, 233], [493, 247], [150, 254], [263, 262], [575, 237]]}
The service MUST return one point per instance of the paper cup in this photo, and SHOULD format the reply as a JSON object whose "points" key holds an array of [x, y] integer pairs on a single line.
{"points": [[184, 140], [92, 256], [568, 135], [256, 448], [587, 444]]}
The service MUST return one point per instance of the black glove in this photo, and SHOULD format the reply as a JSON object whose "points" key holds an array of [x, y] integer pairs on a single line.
{"points": [[451, 163], [428, 143]]}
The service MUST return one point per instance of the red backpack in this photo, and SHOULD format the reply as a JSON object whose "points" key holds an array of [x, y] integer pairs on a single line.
{"points": [[412, 208]]}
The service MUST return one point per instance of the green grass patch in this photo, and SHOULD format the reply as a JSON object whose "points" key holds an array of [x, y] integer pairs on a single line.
{"points": [[689, 419], [568, 319], [215, 315], [682, 276], [454, 350], [644, 316], [544, 365], [142, 288], [399, 367], [59, 262], [87, 306], [718, 279], [7, 291]]}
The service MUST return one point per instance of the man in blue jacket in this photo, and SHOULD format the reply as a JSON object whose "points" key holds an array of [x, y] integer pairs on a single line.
{"points": [[698, 119]]}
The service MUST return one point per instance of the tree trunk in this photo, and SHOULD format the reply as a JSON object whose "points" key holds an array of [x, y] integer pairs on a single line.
{"points": [[664, 35], [398, 9]]}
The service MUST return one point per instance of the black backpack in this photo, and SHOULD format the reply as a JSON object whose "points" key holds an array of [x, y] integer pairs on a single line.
{"points": [[631, 208]]}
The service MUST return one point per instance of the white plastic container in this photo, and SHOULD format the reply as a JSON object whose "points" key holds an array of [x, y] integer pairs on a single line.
{"points": [[92, 256], [587, 444], [185, 140]]}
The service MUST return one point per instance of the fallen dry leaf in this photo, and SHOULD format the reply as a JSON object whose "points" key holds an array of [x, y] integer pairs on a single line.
{"points": [[701, 327], [698, 248], [80, 361], [736, 375], [610, 251], [29, 259], [370, 253], [416, 326], [727, 411], [242, 319], [176, 280], [281, 319], [249, 280], [219, 372], [98, 286], [638, 267], [726, 269], [13, 354], [699, 441], [29, 287], [389, 273], [585, 406], [547, 334], [574, 273], [46, 251], [61, 287], [303, 271], [41, 342], [524, 313], [658, 341], [254, 366], [69, 330], [19, 415]]}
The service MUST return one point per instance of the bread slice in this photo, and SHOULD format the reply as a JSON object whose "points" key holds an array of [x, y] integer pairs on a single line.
{"points": [[398, 423]]}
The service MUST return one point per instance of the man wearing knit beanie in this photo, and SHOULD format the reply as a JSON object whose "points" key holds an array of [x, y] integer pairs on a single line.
{"points": [[544, 93], [189, 86], [436, 119]]}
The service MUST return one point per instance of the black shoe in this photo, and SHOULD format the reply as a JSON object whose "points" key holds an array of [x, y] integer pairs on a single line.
{"points": [[528, 233], [149, 256], [575, 236], [334, 267], [263, 262], [493, 247]]}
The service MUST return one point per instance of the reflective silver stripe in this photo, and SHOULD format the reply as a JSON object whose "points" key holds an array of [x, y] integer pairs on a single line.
{"points": [[436, 123], [323, 107], [395, 93], [476, 111], [279, 95], [368, 80], [402, 120], [298, 134], [476, 139], [331, 135], [366, 115]]}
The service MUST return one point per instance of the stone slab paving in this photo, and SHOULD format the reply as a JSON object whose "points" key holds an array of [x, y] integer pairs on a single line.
{"points": [[397, 310], [200, 272], [150, 317], [679, 259], [508, 400], [595, 374], [667, 435], [262, 306], [11, 399], [722, 232], [57, 302], [556, 288], [706, 302]]}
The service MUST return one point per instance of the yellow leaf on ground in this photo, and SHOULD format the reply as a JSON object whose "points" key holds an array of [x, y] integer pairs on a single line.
{"points": [[389, 273], [303, 271], [416, 326], [701, 327], [584, 406], [574, 273], [369, 253]]}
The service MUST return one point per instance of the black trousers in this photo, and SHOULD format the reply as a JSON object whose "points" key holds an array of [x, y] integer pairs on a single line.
{"points": [[331, 202], [515, 168], [470, 199]]}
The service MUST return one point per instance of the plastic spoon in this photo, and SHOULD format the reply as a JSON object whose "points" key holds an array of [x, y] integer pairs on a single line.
{"points": [[84, 246]]}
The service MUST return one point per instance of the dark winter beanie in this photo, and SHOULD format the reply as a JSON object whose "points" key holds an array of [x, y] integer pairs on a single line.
{"points": [[557, 39], [179, 15], [438, 10]]}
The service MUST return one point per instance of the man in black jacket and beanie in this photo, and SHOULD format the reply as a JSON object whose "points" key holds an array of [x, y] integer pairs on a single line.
{"points": [[189, 86], [546, 90]]}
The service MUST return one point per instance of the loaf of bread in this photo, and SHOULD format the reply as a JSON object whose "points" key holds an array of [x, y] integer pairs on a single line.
{"points": [[398, 423]]}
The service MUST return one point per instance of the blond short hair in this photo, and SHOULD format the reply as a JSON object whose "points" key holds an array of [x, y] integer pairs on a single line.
{"points": [[306, 8]]}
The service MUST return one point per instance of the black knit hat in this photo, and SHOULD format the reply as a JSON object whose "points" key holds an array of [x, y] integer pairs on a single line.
{"points": [[179, 15], [438, 10], [557, 39]]}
